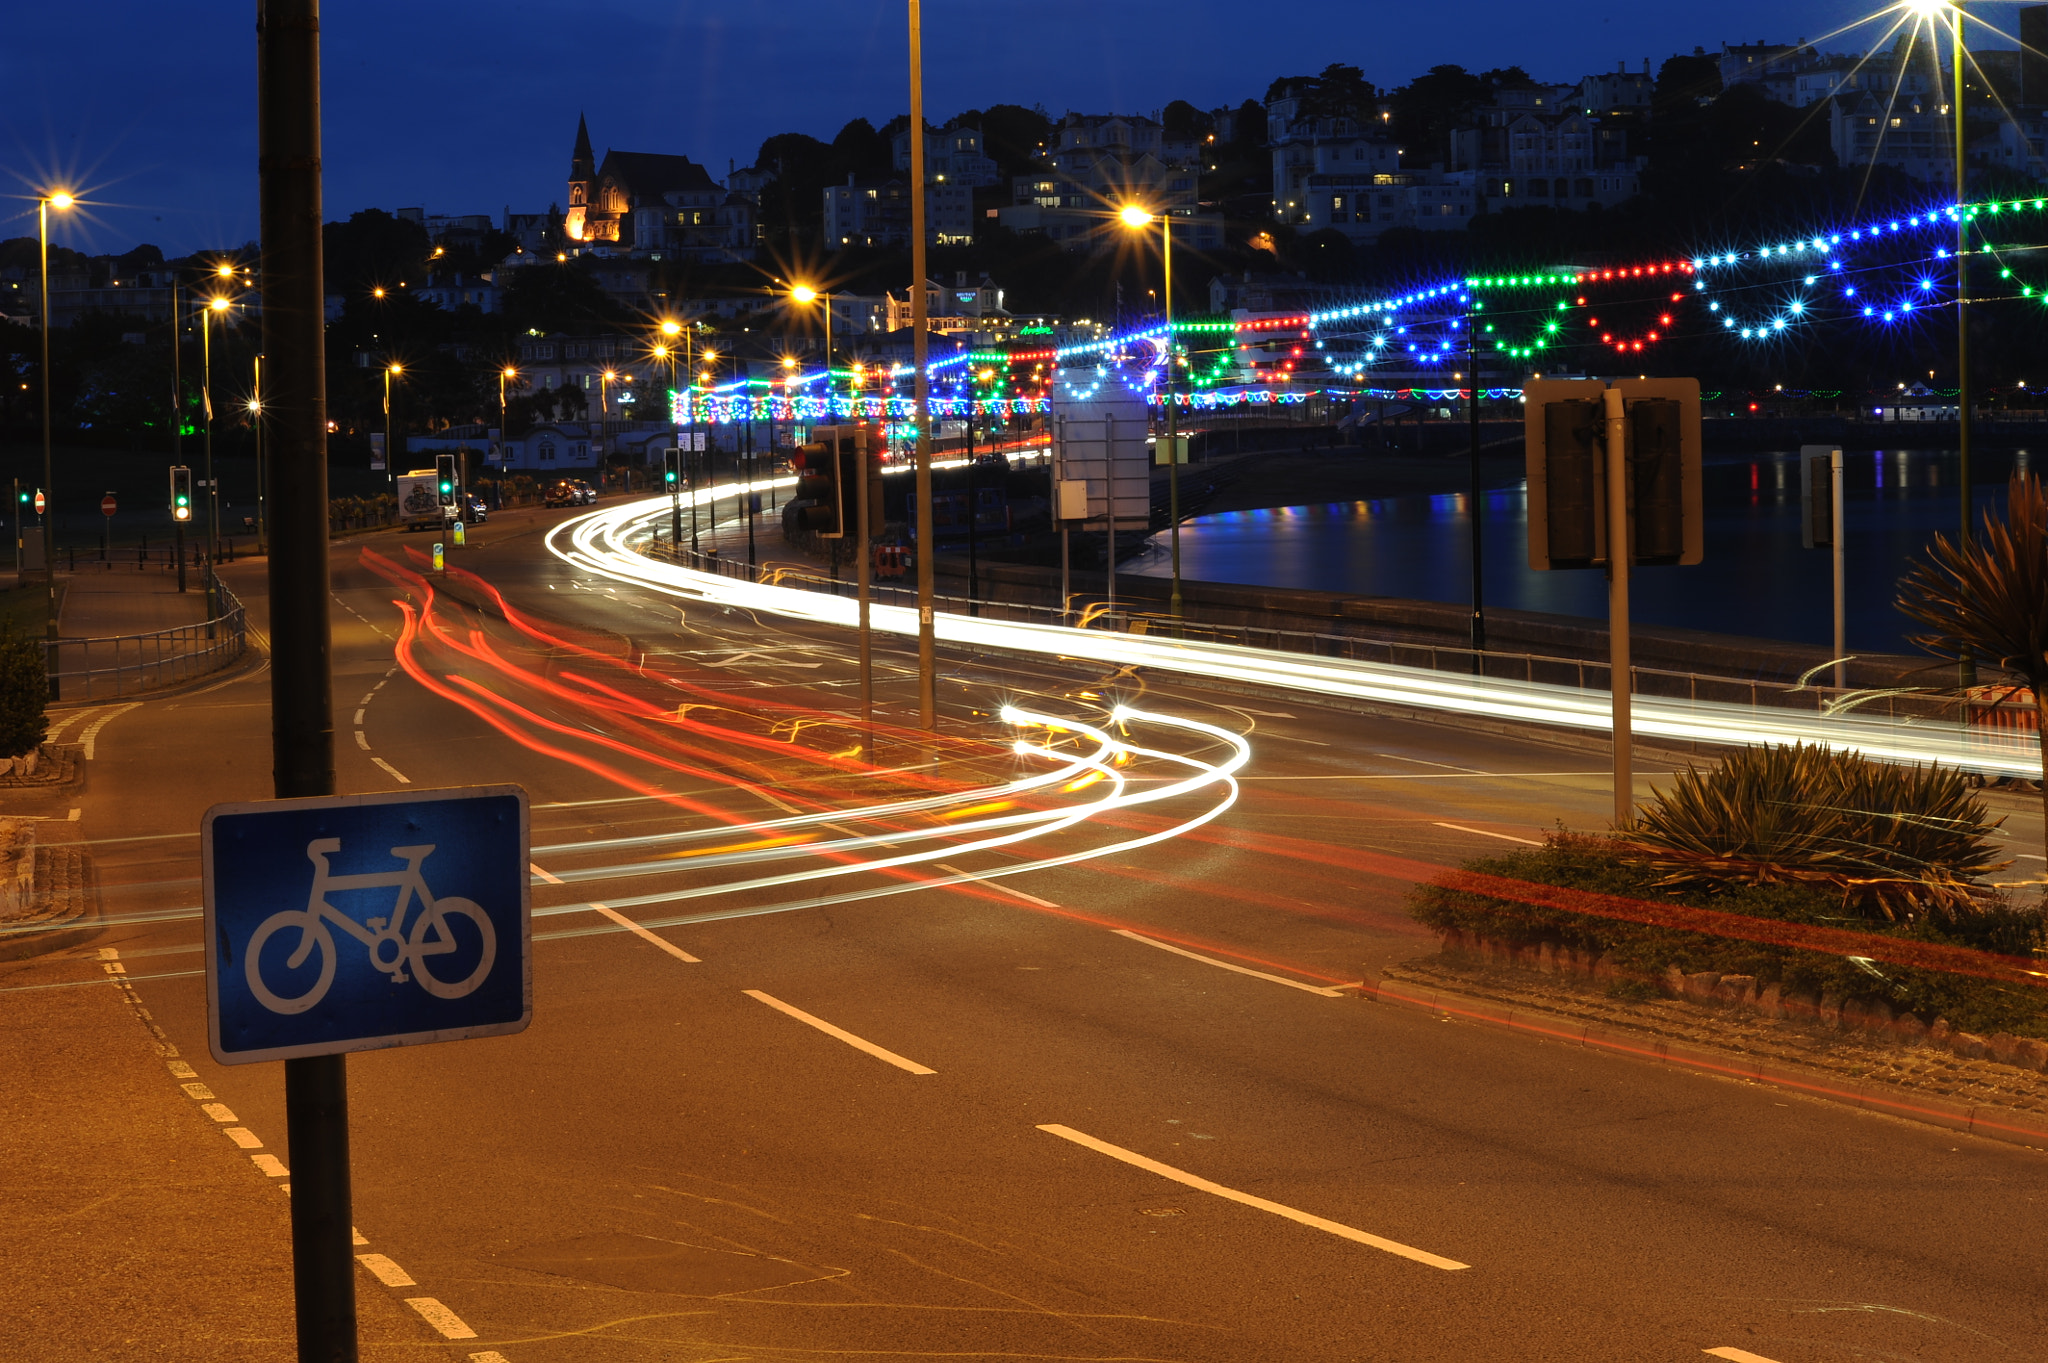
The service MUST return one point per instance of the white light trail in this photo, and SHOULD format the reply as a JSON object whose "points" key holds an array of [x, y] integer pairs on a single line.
{"points": [[601, 543]]}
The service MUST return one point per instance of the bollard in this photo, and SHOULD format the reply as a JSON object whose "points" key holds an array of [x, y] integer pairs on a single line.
{"points": [[461, 538], [438, 559]]}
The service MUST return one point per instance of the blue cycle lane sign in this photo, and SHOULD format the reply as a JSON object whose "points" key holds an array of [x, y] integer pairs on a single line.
{"points": [[357, 922]]}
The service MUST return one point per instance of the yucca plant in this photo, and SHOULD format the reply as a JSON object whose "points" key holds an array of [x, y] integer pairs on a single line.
{"points": [[1897, 843], [1987, 600]]}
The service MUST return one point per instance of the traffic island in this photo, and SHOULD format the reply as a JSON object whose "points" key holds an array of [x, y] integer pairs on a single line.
{"points": [[47, 902]]}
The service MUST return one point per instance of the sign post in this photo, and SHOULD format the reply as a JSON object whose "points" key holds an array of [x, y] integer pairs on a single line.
{"points": [[106, 525]]}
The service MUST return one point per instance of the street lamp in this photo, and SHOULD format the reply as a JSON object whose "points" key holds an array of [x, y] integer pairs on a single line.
{"points": [[505, 376], [60, 201], [1137, 217], [256, 423], [391, 371], [216, 307], [804, 294]]}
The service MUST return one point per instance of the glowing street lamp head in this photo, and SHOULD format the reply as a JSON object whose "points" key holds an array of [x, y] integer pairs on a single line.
{"points": [[510, 372], [789, 361], [610, 375], [804, 293], [671, 328], [60, 200], [377, 292], [710, 355], [226, 269], [1134, 215], [1926, 9], [396, 369], [218, 304]]}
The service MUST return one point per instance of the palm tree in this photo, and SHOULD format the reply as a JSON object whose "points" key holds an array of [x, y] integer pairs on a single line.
{"points": [[1987, 599]]}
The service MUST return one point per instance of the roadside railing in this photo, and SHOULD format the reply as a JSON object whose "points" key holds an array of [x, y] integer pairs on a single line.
{"points": [[1989, 707], [123, 664]]}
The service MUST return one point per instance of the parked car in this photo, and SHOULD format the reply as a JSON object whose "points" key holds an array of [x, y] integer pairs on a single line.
{"points": [[474, 509], [570, 492]]}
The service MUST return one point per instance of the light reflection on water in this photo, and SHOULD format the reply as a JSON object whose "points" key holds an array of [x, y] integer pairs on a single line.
{"points": [[1755, 579]]}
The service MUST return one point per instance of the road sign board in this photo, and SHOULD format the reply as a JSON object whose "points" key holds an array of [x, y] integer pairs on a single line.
{"points": [[357, 922], [39, 501], [107, 505]]}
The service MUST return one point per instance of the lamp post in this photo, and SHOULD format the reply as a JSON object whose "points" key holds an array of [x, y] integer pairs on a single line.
{"points": [[1136, 216], [256, 423], [1967, 671], [505, 376], [920, 350], [805, 294], [390, 455], [60, 201], [215, 307], [709, 377]]}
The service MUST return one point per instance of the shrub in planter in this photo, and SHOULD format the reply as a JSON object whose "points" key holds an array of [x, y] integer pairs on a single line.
{"points": [[1605, 867], [1892, 843], [24, 692]]}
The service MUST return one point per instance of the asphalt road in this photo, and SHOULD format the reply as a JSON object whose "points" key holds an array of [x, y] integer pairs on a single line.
{"points": [[1117, 1108]]}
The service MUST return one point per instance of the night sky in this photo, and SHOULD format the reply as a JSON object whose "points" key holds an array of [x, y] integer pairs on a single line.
{"points": [[456, 106]]}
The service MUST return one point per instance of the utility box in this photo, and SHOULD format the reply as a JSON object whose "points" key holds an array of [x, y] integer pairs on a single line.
{"points": [[1170, 450], [1817, 495], [1072, 499], [1101, 439]]}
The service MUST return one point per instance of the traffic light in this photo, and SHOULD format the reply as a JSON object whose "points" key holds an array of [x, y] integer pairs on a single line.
{"points": [[1565, 427], [818, 484], [830, 470], [181, 493], [672, 469], [1817, 495], [444, 482]]}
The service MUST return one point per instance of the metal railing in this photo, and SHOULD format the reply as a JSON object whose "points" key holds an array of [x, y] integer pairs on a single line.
{"points": [[123, 664], [1088, 611]]}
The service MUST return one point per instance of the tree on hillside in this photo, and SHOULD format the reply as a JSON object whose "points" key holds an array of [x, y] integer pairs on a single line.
{"points": [[1427, 109], [372, 250], [793, 206], [552, 297], [860, 151], [1339, 92], [1012, 136], [1182, 119], [1988, 600]]}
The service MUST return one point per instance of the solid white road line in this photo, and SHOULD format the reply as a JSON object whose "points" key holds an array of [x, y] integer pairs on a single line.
{"points": [[998, 886], [644, 934], [394, 772], [1504, 837], [385, 1271], [848, 1037], [1328, 993], [1737, 1355], [441, 1318], [1181, 1176]]}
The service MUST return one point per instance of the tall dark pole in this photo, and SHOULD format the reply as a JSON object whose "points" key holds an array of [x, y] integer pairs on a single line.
{"points": [[212, 493], [973, 512], [1172, 439], [1477, 519], [177, 415], [49, 517], [1967, 672], [920, 349], [301, 680]]}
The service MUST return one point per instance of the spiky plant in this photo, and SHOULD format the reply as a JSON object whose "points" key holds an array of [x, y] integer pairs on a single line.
{"points": [[1897, 843], [1987, 600]]}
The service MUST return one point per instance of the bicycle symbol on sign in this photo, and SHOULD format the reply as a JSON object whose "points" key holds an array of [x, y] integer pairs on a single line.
{"points": [[392, 947]]}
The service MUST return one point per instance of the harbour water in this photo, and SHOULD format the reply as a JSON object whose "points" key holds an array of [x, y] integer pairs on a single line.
{"points": [[1755, 579]]}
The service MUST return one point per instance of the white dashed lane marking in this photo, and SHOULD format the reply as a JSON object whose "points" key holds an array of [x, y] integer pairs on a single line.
{"points": [[385, 1269]]}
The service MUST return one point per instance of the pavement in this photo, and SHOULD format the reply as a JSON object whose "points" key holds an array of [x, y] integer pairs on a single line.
{"points": [[104, 600], [1117, 1108]]}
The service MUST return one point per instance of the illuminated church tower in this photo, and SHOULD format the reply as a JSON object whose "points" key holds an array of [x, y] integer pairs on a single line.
{"points": [[582, 181]]}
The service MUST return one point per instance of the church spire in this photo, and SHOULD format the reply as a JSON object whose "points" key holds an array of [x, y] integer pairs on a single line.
{"points": [[582, 165]]}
